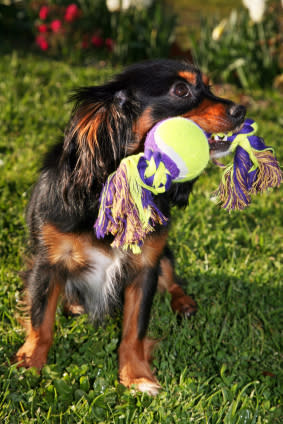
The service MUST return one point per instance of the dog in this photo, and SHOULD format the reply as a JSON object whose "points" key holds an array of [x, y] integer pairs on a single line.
{"points": [[108, 123]]}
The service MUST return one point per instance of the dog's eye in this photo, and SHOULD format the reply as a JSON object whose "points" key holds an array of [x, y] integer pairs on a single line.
{"points": [[181, 89]]}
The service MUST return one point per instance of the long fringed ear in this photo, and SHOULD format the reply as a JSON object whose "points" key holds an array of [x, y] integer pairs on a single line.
{"points": [[99, 131]]}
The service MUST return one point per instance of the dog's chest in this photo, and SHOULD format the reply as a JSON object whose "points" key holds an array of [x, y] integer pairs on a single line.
{"points": [[99, 285]]}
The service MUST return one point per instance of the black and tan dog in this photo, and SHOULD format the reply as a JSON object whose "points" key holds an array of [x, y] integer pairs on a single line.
{"points": [[108, 123]]}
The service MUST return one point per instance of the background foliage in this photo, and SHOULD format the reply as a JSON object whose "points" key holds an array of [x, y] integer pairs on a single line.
{"points": [[240, 51], [231, 47]]}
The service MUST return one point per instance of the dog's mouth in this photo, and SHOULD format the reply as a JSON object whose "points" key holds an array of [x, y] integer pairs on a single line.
{"points": [[219, 145]]}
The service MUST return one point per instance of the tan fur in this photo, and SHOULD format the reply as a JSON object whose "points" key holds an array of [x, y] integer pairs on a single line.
{"points": [[135, 354], [34, 351], [210, 116], [142, 126], [152, 249], [65, 248], [191, 77]]}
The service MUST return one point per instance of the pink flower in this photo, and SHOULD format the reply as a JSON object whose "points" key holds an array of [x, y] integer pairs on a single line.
{"points": [[56, 25], [72, 13], [41, 42], [109, 43], [43, 13], [42, 28], [96, 41]]}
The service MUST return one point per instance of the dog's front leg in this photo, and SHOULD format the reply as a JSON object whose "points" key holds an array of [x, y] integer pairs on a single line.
{"points": [[135, 348], [42, 296]]}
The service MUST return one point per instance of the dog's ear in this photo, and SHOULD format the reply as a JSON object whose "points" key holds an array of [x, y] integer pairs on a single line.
{"points": [[100, 131]]}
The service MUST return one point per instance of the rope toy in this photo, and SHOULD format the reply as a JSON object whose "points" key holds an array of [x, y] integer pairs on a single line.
{"points": [[127, 207], [254, 168]]}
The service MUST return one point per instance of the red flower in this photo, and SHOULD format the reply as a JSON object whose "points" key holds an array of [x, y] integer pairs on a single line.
{"points": [[42, 28], [56, 25], [72, 13], [41, 42], [109, 43], [43, 13], [85, 44], [96, 41]]}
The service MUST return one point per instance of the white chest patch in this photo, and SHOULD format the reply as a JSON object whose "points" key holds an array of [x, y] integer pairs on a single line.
{"points": [[98, 286]]}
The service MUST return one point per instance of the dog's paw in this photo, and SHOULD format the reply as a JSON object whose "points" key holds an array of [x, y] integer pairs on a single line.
{"points": [[183, 304], [144, 385], [28, 357], [132, 377]]}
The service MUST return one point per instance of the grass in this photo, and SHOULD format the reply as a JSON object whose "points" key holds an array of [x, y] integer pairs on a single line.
{"points": [[223, 365]]}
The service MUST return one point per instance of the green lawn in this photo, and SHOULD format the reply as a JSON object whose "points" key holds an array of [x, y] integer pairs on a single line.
{"points": [[223, 365]]}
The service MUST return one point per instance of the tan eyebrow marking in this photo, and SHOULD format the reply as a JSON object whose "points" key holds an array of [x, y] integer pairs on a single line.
{"points": [[191, 77]]}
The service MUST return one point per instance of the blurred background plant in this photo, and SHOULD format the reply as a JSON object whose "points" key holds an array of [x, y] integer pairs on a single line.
{"points": [[69, 30], [15, 24], [119, 31], [142, 30], [244, 48]]}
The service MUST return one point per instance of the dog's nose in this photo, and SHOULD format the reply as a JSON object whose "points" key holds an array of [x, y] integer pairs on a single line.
{"points": [[237, 112]]}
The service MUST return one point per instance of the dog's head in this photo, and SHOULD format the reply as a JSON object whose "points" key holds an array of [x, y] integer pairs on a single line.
{"points": [[111, 121]]}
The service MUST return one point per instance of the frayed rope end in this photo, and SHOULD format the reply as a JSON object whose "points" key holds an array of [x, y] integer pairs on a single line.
{"points": [[254, 169], [127, 210]]}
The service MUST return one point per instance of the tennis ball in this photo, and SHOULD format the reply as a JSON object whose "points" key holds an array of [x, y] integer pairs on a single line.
{"points": [[184, 147]]}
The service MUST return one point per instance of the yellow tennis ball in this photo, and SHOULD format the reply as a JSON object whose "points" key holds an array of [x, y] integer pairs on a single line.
{"points": [[184, 147]]}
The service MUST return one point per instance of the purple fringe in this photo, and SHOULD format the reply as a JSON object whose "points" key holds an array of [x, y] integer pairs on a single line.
{"points": [[239, 181]]}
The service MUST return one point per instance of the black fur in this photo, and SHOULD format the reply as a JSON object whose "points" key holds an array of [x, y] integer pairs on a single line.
{"points": [[148, 285]]}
